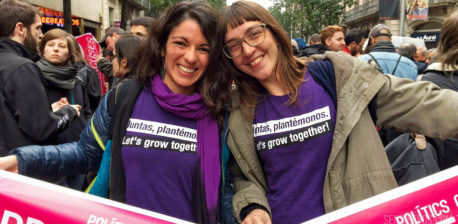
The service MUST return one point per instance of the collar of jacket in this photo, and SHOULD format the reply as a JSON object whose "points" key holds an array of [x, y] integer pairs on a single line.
{"points": [[11, 46], [383, 46], [437, 66]]}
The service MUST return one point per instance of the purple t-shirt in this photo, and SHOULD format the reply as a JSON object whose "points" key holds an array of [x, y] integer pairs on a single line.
{"points": [[293, 143], [159, 157]]}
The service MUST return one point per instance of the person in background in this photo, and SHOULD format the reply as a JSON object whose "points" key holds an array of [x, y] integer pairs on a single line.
{"points": [[430, 55], [315, 47], [57, 63], [59, 58], [111, 36], [25, 115], [354, 41], [420, 54], [295, 47], [103, 64], [444, 73], [140, 26], [381, 50], [179, 177], [125, 59], [301, 131], [333, 37], [409, 50], [87, 76], [420, 58]]}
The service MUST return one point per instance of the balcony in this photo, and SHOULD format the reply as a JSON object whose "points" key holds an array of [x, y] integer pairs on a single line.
{"points": [[143, 4], [372, 7], [360, 11], [432, 2]]}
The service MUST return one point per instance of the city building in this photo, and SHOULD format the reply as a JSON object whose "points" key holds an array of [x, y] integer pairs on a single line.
{"points": [[365, 14], [93, 16]]}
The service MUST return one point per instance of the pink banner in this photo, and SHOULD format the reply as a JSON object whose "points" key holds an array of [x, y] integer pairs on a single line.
{"points": [[432, 200], [24, 200], [91, 49]]}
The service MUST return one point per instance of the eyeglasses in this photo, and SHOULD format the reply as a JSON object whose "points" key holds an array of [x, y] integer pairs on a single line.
{"points": [[253, 37]]}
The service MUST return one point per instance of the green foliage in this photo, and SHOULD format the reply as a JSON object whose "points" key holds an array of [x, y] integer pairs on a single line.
{"points": [[302, 18], [158, 6]]}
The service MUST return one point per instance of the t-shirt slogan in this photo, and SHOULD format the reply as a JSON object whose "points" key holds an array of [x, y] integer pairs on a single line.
{"points": [[160, 136], [298, 128]]}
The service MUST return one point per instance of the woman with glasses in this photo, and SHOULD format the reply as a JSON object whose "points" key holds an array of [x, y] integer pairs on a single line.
{"points": [[302, 133]]}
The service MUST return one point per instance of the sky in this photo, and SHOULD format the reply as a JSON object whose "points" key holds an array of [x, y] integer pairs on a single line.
{"points": [[265, 3]]}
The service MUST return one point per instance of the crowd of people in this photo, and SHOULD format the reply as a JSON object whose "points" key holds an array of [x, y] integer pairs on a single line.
{"points": [[212, 117]]}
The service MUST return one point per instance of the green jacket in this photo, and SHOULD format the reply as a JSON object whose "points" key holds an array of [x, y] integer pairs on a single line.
{"points": [[358, 167]]}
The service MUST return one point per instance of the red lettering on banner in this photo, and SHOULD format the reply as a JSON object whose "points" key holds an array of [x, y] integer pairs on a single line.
{"points": [[7, 215]]}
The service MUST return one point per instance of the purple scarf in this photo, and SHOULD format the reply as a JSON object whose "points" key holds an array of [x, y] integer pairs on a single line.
{"points": [[193, 107]]}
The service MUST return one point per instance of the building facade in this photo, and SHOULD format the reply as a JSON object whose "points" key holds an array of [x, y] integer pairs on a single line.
{"points": [[365, 14], [111, 15], [89, 16]]}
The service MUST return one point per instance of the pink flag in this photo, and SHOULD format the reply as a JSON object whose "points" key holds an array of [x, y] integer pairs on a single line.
{"points": [[91, 49]]}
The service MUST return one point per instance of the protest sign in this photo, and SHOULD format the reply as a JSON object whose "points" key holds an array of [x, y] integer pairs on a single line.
{"points": [[91, 49]]}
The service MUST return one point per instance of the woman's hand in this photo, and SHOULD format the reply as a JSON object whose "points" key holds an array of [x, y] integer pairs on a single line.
{"points": [[9, 163], [257, 216]]}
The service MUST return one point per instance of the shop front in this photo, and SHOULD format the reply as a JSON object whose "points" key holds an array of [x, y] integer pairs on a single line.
{"points": [[55, 19]]}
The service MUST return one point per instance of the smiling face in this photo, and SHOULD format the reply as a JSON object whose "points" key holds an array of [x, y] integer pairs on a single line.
{"points": [[186, 57], [56, 51], [259, 61]]}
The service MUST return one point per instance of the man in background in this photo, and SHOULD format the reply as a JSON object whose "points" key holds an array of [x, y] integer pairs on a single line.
{"points": [[333, 38], [420, 58], [409, 50], [315, 47], [354, 41], [25, 115], [382, 51], [141, 25], [108, 41]]}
